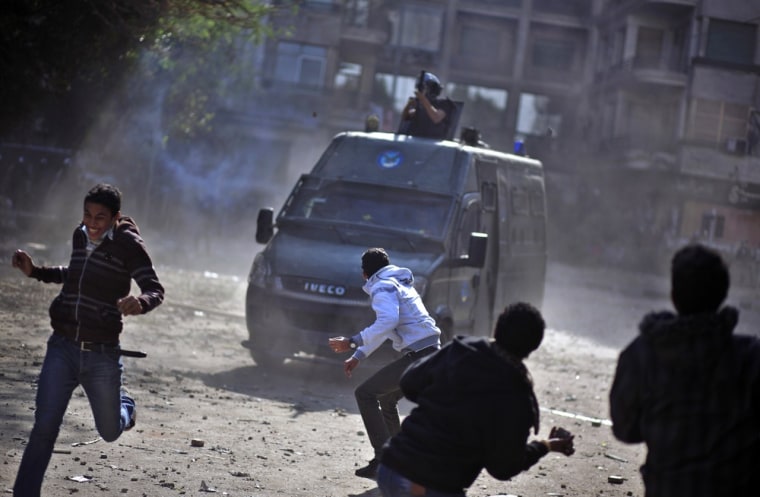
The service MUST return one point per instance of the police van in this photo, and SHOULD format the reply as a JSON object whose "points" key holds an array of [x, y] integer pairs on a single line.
{"points": [[469, 221]]}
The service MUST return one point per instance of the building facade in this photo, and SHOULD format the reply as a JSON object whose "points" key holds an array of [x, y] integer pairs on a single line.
{"points": [[645, 113]]}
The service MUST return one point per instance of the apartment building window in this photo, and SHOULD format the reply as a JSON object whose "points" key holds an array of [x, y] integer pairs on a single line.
{"points": [[393, 91], [356, 13], [714, 121], [712, 225], [603, 54], [320, 4], [730, 41], [618, 46], [417, 26], [535, 115], [483, 107], [649, 43], [300, 64], [483, 42], [678, 54], [576, 8], [610, 50], [348, 76], [553, 51], [477, 41], [553, 54]]}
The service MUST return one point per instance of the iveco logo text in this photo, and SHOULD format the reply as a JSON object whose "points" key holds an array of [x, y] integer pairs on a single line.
{"points": [[326, 289]]}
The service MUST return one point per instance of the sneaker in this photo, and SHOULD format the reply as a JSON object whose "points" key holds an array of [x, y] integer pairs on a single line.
{"points": [[132, 420], [368, 471], [133, 413]]}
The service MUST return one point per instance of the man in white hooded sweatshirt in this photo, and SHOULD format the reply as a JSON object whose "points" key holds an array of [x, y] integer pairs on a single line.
{"points": [[401, 317]]}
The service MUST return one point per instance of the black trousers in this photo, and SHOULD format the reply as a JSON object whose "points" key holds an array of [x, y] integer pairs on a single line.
{"points": [[378, 398]]}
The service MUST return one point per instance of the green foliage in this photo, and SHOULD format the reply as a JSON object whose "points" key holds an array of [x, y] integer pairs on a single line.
{"points": [[63, 57], [195, 47]]}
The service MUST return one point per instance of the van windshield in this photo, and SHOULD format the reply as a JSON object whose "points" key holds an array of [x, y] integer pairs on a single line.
{"points": [[346, 202], [398, 160]]}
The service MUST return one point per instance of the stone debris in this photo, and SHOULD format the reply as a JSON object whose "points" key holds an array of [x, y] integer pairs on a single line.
{"points": [[80, 478], [80, 444], [615, 458], [206, 488]]}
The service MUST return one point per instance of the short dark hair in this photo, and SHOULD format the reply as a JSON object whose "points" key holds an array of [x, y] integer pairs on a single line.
{"points": [[105, 194], [519, 329], [699, 279], [373, 260]]}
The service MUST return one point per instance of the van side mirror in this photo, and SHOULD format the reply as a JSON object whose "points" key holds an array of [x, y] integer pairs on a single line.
{"points": [[265, 225], [476, 251]]}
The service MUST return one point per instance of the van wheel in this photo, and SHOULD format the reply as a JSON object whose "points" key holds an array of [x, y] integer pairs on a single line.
{"points": [[268, 350], [267, 359]]}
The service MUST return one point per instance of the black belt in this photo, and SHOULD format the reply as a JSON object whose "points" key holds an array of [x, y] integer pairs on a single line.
{"points": [[97, 347], [108, 347], [104, 347], [422, 352]]}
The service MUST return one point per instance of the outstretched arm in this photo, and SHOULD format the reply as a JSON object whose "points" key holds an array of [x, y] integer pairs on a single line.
{"points": [[519, 459], [46, 274], [23, 262]]}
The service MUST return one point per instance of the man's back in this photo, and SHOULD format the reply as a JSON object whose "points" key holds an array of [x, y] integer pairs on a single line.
{"points": [[690, 389], [474, 410]]}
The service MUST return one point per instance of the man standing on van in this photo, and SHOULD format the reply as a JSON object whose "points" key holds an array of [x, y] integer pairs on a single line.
{"points": [[402, 319], [427, 114]]}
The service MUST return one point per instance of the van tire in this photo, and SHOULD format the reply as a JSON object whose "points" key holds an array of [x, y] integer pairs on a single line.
{"points": [[267, 360], [268, 350]]}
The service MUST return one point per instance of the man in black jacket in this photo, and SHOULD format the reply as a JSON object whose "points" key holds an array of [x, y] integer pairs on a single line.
{"points": [[107, 254], [427, 114], [475, 409], [689, 388]]}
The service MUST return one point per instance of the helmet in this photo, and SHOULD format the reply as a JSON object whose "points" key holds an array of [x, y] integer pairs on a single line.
{"points": [[431, 86]]}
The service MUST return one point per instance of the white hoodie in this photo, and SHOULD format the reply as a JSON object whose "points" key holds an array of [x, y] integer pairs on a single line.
{"points": [[401, 315]]}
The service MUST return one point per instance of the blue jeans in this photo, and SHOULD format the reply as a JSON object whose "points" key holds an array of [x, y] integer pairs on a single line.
{"points": [[392, 484], [64, 368]]}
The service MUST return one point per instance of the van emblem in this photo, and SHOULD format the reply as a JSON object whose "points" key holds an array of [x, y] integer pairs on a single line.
{"points": [[324, 288], [389, 159]]}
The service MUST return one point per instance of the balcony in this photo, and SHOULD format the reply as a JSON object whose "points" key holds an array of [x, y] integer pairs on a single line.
{"points": [[495, 8], [367, 25], [640, 151], [645, 71], [359, 34], [720, 163], [663, 9]]}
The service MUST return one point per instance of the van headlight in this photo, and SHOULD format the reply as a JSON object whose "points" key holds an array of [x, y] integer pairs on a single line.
{"points": [[260, 271], [420, 284]]}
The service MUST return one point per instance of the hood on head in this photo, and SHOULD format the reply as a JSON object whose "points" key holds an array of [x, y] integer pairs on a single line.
{"points": [[402, 274], [126, 223]]}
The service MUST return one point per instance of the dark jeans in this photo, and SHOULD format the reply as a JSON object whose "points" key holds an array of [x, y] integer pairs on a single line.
{"points": [[64, 368], [378, 398], [393, 484]]}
